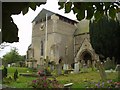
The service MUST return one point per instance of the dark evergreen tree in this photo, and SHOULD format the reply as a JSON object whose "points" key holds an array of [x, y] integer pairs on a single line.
{"points": [[15, 75], [105, 37], [4, 72]]}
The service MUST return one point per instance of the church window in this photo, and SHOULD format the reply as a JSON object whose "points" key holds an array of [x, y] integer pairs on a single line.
{"points": [[41, 48]]}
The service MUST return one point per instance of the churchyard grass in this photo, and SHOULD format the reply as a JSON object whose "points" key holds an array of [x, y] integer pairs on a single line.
{"points": [[79, 80], [20, 70]]}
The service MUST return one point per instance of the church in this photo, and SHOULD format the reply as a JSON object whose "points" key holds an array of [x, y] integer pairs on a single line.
{"points": [[55, 38]]}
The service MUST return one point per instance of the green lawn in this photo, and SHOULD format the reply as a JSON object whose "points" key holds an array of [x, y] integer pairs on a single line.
{"points": [[78, 80], [20, 70]]}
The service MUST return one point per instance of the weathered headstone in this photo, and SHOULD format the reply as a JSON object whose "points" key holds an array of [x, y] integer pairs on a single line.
{"points": [[82, 63], [118, 71], [85, 68], [94, 64], [76, 70], [101, 70], [88, 63], [65, 67], [59, 69]]}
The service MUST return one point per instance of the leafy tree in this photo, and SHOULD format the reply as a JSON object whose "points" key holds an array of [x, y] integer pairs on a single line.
{"points": [[12, 57], [104, 36], [93, 9], [10, 30]]}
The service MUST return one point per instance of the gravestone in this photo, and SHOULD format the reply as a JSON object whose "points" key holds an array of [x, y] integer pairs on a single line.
{"points": [[59, 69], [85, 68], [101, 70], [76, 70], [94, 64], [82, 63], [118, 71], [52, 67], [65, 67], [108, 63], [88, 63]]}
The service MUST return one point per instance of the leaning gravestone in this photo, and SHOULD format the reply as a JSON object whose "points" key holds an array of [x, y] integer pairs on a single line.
{"points": [[118, 71], [101, 70]]}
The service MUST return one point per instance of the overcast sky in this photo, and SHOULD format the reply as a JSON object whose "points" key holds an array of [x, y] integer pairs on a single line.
{"points": [[25, 26]]}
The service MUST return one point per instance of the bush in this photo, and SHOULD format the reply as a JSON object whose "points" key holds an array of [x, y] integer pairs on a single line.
{"points": [[44, 82], [4, 72], [8, 79], [105, 84], [15, 75]]}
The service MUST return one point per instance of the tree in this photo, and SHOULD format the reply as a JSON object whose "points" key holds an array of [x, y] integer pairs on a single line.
{"points": [[10, 30], [12, 57], [15, 75], [93, 9], [104, 36]]}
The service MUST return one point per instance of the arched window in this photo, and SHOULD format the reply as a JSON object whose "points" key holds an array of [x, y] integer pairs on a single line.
{"points": [[42, 48]]}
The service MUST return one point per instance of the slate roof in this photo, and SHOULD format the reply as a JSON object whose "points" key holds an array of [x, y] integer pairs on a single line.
{"points": [[43, 12]]}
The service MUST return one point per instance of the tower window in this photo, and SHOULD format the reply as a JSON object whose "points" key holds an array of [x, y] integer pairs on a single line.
{"points": [[41, 48]]}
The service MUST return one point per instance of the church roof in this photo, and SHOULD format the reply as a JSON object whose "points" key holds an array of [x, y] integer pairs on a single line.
{"points": [[43, 13], [82, 27]]}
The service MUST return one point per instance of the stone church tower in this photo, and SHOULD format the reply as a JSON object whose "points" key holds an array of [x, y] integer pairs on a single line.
{"points": [[65, 39]]}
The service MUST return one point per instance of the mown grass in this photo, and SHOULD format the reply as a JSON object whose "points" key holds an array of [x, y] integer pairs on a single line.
{"points": [[20, 70], [79, 80]]}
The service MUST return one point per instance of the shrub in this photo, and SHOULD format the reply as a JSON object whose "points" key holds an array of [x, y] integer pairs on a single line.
{"points": [[4, 72], [8, 79], [44, 82], [15, 75], [106, 84]]}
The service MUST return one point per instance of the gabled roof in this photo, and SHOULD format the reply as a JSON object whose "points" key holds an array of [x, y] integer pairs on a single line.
{"points": [[43, 13]]}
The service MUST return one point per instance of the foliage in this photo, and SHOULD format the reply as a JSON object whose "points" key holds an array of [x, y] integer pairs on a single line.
{"points": [[15, 75], [4, 72], [44, 82], [7, 80], [10, 29], [104, 36], [12, 57], [78, 80], [93, 9], [106, 84]]}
